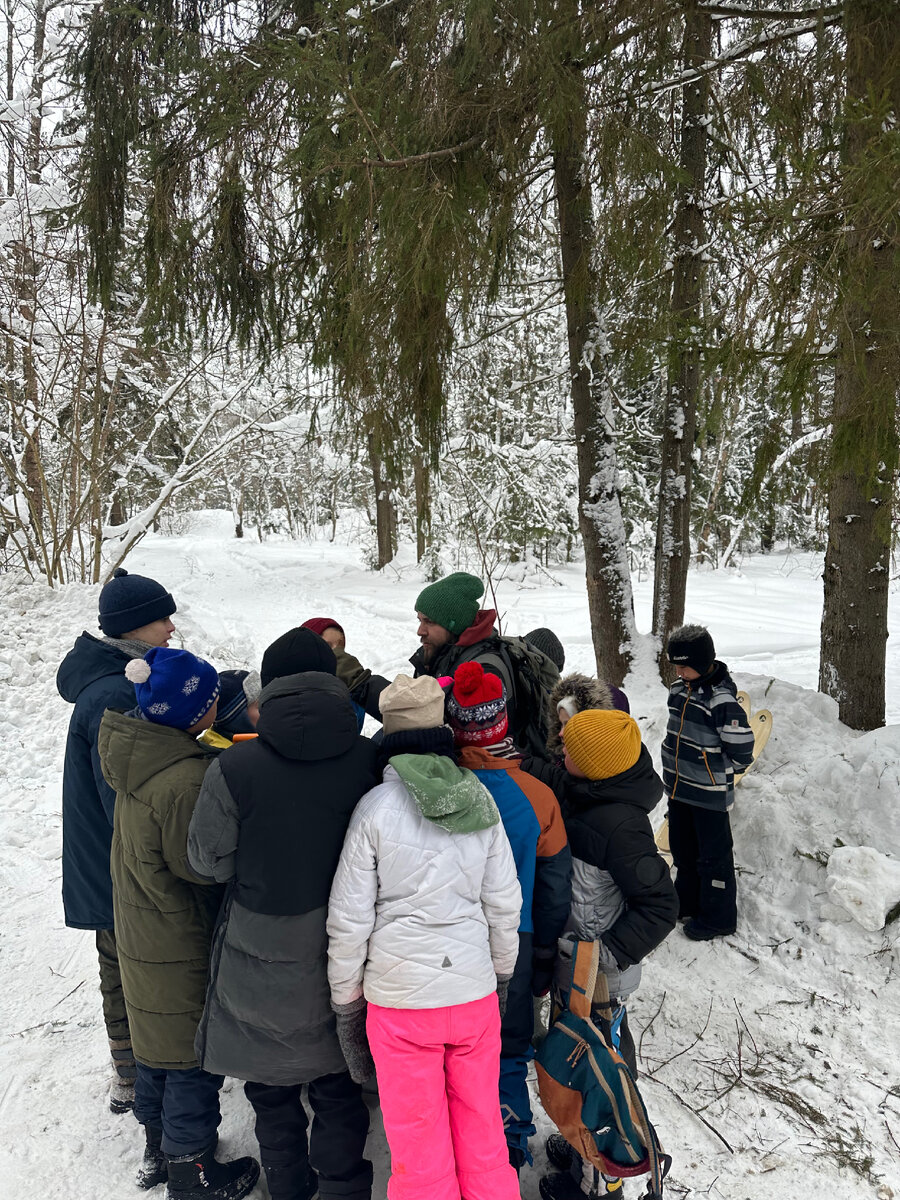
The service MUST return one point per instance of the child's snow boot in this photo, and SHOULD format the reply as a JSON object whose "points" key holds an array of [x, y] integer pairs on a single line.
{"points": [[559, 1152], [200, 1177], [562, 1186], [294, 1182], [121, 1090], [152, 1170]]}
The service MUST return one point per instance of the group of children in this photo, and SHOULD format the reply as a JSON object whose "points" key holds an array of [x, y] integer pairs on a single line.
{"points": [[296, 904]]}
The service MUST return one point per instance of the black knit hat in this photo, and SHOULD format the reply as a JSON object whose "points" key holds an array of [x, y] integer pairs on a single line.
{"points": [[691, 646], [128, 602], [548, 643], [296, 651]]}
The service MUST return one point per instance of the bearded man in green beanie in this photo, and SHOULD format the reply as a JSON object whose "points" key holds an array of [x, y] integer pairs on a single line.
{"points": [[452, 629]]}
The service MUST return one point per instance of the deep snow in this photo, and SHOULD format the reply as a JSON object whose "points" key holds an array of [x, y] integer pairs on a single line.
{"points": [[771, 1059]]}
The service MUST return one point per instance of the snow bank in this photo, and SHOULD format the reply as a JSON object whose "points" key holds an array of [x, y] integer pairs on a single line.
{"points": [[865, 883]]}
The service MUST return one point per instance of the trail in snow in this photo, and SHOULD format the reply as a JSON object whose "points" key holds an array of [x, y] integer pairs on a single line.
{"points": [[771, 1059]]}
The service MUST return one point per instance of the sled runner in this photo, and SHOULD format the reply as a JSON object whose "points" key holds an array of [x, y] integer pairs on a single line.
{"points": [[761, 724]]}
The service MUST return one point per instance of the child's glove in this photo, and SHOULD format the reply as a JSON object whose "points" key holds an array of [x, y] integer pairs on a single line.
{"points": [[503, 993], [542, 962], [351, 1032]]}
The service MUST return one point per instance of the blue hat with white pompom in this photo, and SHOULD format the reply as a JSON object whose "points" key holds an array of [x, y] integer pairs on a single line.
{"points": [[173, 687]]}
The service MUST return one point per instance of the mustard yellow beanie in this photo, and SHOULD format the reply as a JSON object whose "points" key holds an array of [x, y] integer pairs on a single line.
{"points": [[602, 742]]}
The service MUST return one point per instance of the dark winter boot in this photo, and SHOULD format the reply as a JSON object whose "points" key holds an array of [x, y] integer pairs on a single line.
{"points": [[121, 1090], [699, 931], [562, 1186], [559, 1152], [152, 1170], [294, 1182], [200, 1177]]}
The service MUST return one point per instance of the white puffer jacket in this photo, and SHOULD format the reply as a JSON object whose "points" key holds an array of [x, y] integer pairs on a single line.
{"points": [[419, 917]]}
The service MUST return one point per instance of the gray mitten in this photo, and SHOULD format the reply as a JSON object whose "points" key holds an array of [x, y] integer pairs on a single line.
{"points": [[351, 1031], [503, 993]]}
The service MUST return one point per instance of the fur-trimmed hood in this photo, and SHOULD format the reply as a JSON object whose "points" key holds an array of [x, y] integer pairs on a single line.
{"points": [[587, 693]]}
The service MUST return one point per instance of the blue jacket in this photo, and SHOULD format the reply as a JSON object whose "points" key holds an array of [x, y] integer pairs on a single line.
{"points": [[92, 677], [707, 737]]}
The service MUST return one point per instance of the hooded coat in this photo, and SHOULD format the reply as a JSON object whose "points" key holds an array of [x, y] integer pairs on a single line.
{"points": [[422, 917], [622, 893], [164, 915], [92, 677], [270, 822]]}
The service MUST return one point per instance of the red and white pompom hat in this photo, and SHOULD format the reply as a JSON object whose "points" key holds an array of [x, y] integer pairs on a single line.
{"points": [[476, 708]]}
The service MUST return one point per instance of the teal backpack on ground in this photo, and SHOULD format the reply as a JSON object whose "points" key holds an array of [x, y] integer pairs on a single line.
{"points": [[589, 1093]]}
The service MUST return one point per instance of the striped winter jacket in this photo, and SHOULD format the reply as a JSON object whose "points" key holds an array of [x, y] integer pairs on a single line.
{"points": [[707, 739]]}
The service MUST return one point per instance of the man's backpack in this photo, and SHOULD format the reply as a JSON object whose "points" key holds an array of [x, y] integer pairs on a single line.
{"points": [[589, 1093], [533, 676]]}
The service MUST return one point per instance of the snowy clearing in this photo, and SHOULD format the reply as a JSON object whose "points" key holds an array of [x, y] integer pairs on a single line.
{"points": [[770, 1060]]}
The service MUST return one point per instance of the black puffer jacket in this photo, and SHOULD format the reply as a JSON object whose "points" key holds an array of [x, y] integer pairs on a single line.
{"points": [[621, 889], [270, 821]]}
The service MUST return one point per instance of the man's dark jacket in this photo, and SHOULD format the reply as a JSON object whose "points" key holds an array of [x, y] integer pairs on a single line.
{"points": [[92, 677], [609, 834], [478, 643], [270, 821]]}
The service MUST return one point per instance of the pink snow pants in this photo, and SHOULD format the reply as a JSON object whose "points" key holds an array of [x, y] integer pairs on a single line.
{"points": [[438, 1079]]}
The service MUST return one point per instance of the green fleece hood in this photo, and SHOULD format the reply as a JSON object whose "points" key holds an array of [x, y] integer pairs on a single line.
{"points": [[446, 794]]}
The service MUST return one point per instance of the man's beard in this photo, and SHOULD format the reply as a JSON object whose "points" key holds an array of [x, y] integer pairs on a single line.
{"points": [[428, 651]]}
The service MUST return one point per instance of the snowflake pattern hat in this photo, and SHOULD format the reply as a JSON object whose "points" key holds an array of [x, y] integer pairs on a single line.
{"points": [[173, 687], [476, 709]]}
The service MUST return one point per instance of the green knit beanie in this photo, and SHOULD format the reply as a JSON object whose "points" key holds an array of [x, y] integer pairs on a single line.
{"points": [[451, 602]]}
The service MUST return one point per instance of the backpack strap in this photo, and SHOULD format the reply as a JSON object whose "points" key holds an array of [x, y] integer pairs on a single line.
{"points": [[585, 963]]}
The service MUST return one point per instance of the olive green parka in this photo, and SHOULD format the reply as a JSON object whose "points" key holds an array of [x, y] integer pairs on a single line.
{"points": [[164, 914]]}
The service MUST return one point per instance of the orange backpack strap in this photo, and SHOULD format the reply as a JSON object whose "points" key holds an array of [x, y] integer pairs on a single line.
{"points": [[585, 964]]}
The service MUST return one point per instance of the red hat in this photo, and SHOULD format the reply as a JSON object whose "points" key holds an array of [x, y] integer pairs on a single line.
{"points": [[320, 624], [476, 709]]}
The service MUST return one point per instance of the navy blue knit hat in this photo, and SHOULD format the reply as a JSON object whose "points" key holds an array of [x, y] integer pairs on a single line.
{"points": [[236, 690], [129, 601], [173, 687]]}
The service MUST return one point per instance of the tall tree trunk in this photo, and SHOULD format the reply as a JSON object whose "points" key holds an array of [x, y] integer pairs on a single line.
{"points": [[423, 505], [10, 95], [673, 529], [28, 288], [864, 445], [383, 507], [610, 601]]}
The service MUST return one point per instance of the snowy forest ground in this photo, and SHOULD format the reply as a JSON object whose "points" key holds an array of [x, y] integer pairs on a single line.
{"points": [[770, 1059]]}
